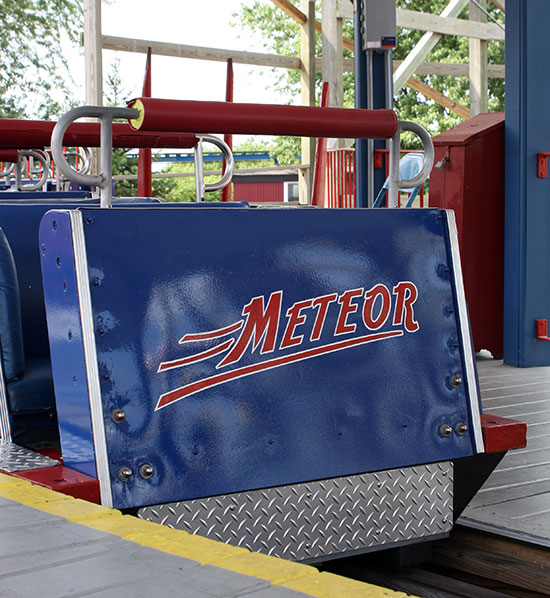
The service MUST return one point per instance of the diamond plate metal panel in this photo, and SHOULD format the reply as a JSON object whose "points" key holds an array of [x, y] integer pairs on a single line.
{"points": [[327, 517], [16, 458]]}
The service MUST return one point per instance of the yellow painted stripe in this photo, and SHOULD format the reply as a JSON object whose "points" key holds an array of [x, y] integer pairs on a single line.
{"points": [[279, 572]]}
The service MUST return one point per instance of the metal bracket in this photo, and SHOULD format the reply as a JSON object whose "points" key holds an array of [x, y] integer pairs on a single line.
{"points": [[542, 166], [542, 330]]}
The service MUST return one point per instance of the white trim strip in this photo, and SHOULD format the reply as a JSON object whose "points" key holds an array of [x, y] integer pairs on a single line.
{"points": [[469, 358], [5, 430], [90, 356]]}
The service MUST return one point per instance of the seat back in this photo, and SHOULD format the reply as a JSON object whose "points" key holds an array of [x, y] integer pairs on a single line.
{"points": [[11, 333]]}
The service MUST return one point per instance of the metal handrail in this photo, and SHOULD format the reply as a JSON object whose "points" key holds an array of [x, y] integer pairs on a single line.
{"points": [[103, 180], [44, 160], [200, 186], [395, 182]]}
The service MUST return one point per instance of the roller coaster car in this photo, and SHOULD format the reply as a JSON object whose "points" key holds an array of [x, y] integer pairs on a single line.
{"points": [[300, 382]]}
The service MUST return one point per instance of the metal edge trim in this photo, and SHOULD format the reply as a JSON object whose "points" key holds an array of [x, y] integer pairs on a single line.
{"points": [[90, 357], [5, 429], [471, 380]]}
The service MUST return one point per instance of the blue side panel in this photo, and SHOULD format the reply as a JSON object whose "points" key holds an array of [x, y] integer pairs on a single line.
{"points": [[68, 363], [215, 410], [527, 132]]}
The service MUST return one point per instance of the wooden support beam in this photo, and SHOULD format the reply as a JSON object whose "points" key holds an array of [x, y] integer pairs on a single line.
{"points": [[424, 47], [411, 19], [479, 82], [333, 53], [451, 69], [124, 44], [307, 79], [93, 52], [438, 97], [500, 4], [425, 89]]}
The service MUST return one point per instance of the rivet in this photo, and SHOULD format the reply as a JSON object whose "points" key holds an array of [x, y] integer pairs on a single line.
{"points": [[43, 248], [455, 381], [65, 287], [118, 416], [89, 220], [54, 225], [70, 335], [58, 262], [461, 428], [146, 471], [124, 474], [445, 430], [97, 282]]}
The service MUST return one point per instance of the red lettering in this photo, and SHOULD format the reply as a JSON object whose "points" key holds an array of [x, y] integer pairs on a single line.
{"points": [[295, 318], [371, 322], [261, 325], [346, 308], [406, 294], [322, 303]]}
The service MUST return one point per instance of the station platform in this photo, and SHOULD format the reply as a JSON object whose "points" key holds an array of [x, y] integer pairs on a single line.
{"points": [[53, 546], [515, 500]]}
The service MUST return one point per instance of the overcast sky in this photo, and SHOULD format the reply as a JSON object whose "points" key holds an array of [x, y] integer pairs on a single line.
{"points": [[198, 23]]}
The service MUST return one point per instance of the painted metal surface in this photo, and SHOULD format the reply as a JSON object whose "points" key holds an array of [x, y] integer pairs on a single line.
{"points": [[325, 518], [469, 156], [527, 212], [281, 350], [64, 480]]}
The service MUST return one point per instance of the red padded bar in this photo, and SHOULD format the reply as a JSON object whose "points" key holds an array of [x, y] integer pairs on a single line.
{"points": [[8, 155], [502, 433], [262, 119], [31, 134]]}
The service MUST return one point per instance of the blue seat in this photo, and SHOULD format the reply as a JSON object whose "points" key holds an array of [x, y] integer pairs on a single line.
{"points": [[28, 385], [409, 166]]}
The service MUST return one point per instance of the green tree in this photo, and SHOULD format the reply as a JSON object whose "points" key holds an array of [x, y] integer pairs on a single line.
{"points": [[281, 35], [34, 74]]}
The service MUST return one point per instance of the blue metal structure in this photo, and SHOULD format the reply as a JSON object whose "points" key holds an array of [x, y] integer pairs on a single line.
{"points": [[218, 352], [379, 84], [527, 215], [238, 156]]}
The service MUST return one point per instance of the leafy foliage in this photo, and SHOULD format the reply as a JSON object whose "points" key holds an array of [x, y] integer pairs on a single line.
{"points": [[281, 35], [34, 74]]}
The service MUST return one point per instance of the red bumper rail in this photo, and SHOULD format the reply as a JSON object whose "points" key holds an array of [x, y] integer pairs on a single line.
{"points": [[8, 155], [502, 434], [31, 134], [262, 119]]}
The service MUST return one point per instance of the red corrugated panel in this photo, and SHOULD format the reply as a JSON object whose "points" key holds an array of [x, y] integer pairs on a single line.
{"points": [[258, 192]]}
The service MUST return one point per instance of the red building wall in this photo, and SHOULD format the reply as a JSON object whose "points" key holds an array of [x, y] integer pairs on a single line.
{"points": [[260, 192]]}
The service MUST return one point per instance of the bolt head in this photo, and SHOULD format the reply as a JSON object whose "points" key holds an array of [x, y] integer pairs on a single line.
{"points": [[124, 474], [455, 381], [146, 471], [118, 416], [461, 428], [445, 430]]}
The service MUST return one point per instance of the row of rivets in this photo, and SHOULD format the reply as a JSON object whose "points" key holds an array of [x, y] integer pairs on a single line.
{"points": [[446, 430], [146, 471]]}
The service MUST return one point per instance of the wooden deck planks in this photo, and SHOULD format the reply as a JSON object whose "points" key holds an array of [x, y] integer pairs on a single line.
{"points": [[515, 500]]}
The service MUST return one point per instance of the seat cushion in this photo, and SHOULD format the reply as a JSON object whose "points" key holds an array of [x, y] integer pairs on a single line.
{"points": [[32, 391]]}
